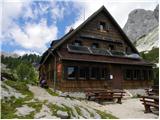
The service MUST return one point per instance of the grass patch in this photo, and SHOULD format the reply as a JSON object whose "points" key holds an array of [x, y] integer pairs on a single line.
{"points": [[54, 108], [78, 110], [51, 92], [21, 87], [69, 111], [105, 115], [9, 105], [80, 113], [3, 86], [36, 105], [8, 109], [91, 114]]}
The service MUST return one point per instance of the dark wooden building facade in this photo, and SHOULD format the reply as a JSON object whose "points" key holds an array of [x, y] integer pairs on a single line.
{"points": [[97, 54]]}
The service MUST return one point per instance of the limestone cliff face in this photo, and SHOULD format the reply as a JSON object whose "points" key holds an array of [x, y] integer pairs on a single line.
{"points": [[156, 12], [140, 22], [149, 41]]}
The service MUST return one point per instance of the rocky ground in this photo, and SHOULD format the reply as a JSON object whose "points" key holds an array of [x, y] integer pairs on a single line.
{"points": [[27, 101], [129, 109], [41, 103]]}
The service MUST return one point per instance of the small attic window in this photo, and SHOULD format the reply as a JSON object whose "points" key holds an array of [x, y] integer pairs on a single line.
{"points": [[95, 45], [127, 50], [111, 47], [102, 26], [77, 43]]}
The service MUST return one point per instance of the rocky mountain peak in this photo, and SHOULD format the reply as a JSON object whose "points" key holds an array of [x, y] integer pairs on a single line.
{"points": [[156, 12], [140, 22], [7, 54]]}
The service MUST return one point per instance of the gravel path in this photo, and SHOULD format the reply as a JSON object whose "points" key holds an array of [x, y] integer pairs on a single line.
{"points": [[130, 108]]}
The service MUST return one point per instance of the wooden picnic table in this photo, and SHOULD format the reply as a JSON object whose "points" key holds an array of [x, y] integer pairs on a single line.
{"points": [[155, 97], [105, 95], [150, 101]]}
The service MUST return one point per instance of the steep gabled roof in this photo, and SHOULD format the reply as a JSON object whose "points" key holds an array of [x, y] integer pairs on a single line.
{"points": [[53, 43], [58, 43], [64, 38]]}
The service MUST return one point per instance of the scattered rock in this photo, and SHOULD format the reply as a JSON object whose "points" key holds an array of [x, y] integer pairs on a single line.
{"points": [[135, 92], [44, 113], [7, 92], [84, 113], [32, 100], [24, 110], [74, 94], [62, 114]]}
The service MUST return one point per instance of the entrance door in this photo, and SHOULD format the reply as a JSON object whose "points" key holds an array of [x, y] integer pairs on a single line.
{"points": [[117, 76]]}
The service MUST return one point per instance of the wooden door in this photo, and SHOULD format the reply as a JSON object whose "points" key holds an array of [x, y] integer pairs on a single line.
{"points": [[117, 73]]}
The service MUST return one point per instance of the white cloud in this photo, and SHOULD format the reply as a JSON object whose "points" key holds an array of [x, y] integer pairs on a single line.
{"points": [[28, 13], [34, 36], [23, 52], [57, 12], [11, 9], [60, 10], [119, 9]]}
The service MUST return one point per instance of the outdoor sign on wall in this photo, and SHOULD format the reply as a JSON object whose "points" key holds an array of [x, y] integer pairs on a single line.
{"points": [[111, 77], [59, 68]]}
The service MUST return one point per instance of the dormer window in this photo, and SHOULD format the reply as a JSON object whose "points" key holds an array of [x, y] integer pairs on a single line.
{"points": [[127, 50], [102, 26], [77, 43], [95, 45], [111, 47]]}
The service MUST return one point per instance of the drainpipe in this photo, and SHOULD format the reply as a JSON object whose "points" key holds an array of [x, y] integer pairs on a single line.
{"points": [[55, 75]]}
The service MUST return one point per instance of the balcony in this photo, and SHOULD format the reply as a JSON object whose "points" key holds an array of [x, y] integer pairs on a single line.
{"points": [[94, 51]]}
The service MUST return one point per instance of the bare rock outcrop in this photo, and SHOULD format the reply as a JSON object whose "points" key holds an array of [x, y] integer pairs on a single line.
{"points": [[140, 22]]}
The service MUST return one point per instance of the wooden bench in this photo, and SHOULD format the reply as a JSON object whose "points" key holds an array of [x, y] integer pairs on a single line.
{"points": [[106, 95], [110, 95], [91, 93], [150, 101]]}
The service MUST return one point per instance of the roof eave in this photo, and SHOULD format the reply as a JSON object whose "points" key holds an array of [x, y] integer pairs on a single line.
{"points": [[146, 64]]}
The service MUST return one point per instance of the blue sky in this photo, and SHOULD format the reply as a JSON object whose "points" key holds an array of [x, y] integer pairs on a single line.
{"points": [[29, 26]]}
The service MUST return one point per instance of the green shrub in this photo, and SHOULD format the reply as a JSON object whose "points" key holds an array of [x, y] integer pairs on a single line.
{"points": [[27, 73], [152, 55]]}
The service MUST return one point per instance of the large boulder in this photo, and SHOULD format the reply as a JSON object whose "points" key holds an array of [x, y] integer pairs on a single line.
{"points": [[62, 114]]}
